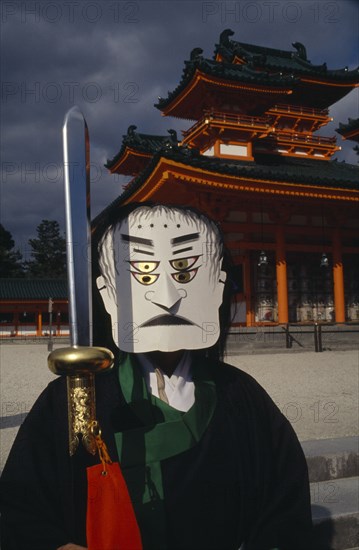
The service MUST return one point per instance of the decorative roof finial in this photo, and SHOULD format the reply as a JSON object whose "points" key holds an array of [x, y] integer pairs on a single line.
{"points": [[131, 130], [224, 37], [301, 50], [173, 135], [196, 54]]}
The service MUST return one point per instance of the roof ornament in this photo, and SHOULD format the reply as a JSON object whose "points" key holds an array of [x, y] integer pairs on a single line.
{"points": [[224, 38], [172, 141], [131, 130], [301, 50], [131, 135], [196, 54], [173, 136]]}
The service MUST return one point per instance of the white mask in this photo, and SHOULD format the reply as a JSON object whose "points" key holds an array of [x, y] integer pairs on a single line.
{"points": [[167, 284]]}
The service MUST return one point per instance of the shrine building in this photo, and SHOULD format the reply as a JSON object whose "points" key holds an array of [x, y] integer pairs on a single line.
{"points": [[33, 307], [253, 160]]}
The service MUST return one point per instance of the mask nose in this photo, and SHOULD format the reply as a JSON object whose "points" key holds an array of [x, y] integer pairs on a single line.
{"points": [[166, 295]]}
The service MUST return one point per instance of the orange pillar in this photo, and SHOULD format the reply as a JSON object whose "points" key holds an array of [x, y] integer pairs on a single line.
{"points": [[338, 278], [217, 148], [39, 324], [281, 272]]}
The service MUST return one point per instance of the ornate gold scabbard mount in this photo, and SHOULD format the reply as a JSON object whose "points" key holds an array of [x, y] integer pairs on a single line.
{"points": [[80, 364]]}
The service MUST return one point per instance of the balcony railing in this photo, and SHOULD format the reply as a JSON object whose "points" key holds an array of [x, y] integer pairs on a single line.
{"points": [[304, 139], [297, 110], [230, 119]]}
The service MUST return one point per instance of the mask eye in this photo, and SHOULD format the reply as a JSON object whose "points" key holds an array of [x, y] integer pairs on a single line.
{"points": [[185, 276], [183, 263], [145, 267], [145, 279]]}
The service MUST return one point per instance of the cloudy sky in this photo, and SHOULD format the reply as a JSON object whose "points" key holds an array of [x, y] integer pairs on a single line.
{"points": [[113, 59]]}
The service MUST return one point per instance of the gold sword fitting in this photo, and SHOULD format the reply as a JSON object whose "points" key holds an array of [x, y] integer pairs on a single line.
{"points": [[80, 364]]}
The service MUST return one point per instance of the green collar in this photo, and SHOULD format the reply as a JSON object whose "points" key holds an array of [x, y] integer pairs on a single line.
{"points": [[165, 433]]}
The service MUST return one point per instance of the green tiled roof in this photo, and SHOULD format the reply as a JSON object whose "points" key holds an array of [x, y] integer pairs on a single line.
{"points": [[144, 143], [294, 61], [352, 124], [33, 289], [274, 168], [339, 175], [227, 71], [265, 66]]}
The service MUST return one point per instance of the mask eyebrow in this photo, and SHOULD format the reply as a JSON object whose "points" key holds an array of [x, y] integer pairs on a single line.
{"points": [[182, 250], [144, 252], [137, 240], [185, 238]]}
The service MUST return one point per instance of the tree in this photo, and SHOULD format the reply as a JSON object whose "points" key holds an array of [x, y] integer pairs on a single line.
{"points": [[48, 252], [10, 259]]}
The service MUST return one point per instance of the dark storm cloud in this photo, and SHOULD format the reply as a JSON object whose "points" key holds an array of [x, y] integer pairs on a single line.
{"points": [[114, 59]]}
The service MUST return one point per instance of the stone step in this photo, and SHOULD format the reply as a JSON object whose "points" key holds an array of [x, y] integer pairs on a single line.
{"points": [[330, 459], [335, 512]]}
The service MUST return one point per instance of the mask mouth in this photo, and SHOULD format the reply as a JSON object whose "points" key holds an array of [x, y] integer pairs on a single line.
{"points": [[167, 320]]}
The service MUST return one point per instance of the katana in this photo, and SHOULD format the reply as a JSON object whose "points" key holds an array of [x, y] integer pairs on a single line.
{"points": [[78, 222], [80, 362]]}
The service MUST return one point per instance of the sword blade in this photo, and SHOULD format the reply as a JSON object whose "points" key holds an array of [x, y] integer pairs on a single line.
{"points": [[78, 233], [80, 362]]}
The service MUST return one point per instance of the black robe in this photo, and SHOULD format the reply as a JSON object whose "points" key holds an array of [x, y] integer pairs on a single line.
{"points": [[245, 482]]}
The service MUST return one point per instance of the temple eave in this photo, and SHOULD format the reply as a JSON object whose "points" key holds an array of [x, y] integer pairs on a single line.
{"points": [[128, 161], [169, 176]]}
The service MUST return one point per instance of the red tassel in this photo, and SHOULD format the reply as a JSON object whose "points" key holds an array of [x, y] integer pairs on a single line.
{"points": [[111, 521]]}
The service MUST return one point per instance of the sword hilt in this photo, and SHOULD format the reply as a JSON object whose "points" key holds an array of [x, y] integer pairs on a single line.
{"points": [[80, 364]]}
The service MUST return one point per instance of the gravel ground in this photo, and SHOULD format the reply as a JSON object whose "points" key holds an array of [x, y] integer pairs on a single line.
{"points": [[318, 392]]}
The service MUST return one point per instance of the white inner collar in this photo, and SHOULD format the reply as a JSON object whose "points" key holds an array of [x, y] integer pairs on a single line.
{"points": [[179, 387]]}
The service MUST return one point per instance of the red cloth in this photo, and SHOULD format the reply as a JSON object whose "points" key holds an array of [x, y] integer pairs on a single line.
{"points": [[111, 522]]}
